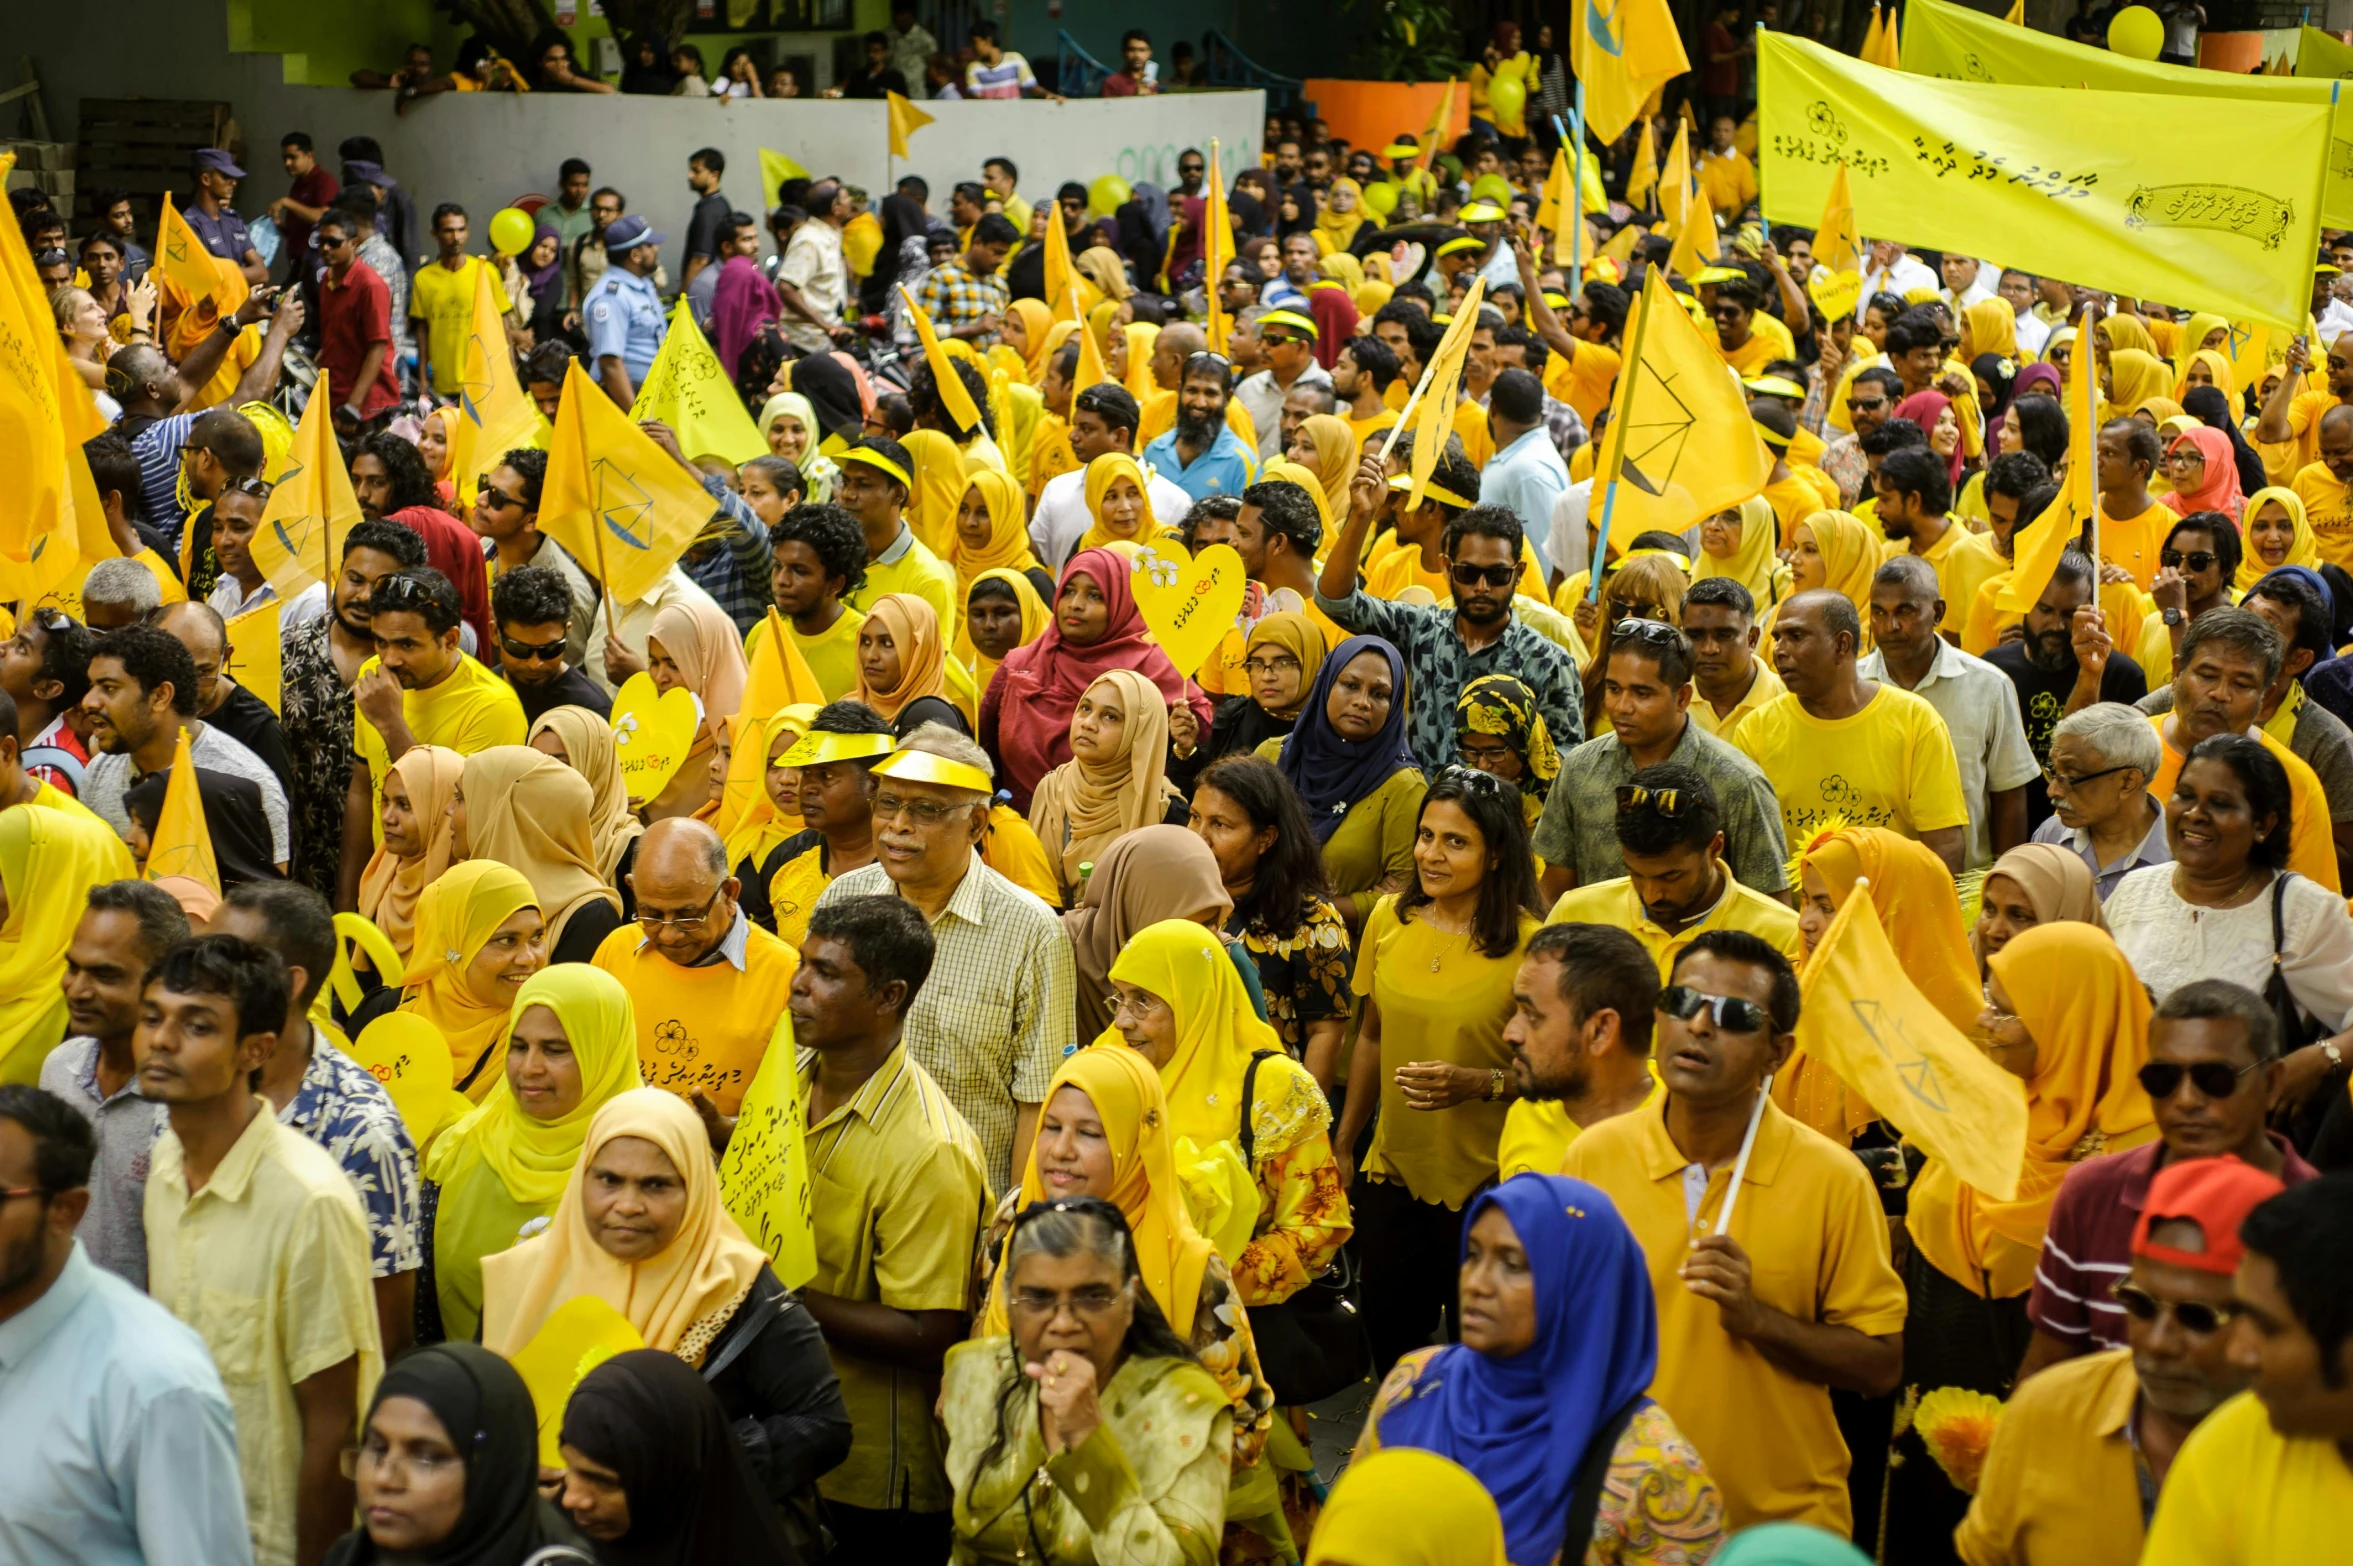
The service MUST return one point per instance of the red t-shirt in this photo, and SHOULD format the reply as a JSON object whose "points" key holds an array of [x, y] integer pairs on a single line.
{"points": [[355, 315], [1119, 84], [1722, 80], [314, 189]]}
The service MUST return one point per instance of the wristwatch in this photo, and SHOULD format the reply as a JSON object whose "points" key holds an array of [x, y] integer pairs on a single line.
{"points": [[1494, 1085], [2172, 616], [2336, 1056]]}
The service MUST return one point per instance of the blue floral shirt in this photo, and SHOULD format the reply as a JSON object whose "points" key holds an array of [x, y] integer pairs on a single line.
{"points": [[1441, 665], [347, 1112]]}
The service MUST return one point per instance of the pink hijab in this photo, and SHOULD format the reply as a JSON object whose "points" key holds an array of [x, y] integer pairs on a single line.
{"points": [[1924, 408], [2221, 490], [1037, 687]]}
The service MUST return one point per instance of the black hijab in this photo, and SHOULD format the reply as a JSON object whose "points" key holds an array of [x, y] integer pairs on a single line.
{"points": [[833, 391], [233, 816], [486, 1411], [693, 1500]]}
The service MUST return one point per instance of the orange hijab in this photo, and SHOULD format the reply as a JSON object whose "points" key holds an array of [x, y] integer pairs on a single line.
{"points": [[915, 633], [390, 885]]}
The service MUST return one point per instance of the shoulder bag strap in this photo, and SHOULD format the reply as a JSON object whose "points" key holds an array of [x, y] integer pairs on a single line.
{"points": [[1585, 1500], [1249, 1138]]}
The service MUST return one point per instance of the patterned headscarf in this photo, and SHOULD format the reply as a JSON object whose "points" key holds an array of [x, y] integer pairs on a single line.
{"points": [[1502, 704]]}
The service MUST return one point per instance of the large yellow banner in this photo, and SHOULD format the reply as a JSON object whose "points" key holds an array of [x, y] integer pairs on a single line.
{"points": [[1962, 45], [2120, 191], [2323, 55]]}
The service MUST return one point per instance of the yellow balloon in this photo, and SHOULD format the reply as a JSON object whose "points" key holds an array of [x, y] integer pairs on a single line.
{"points": [[2137, 32], [510, 231], [1507, 95], [1381, 197], [1108, 194]]}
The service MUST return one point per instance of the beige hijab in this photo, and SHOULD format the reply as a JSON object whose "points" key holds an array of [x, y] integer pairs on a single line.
{"points": [[2055, 880], [529, 811], [588, 740], [390, 885], [708, 650], [1158, 873], [1081, 808]]}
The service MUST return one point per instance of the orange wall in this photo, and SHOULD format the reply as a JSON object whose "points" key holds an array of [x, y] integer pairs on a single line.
{"points": [[1370, 113]]}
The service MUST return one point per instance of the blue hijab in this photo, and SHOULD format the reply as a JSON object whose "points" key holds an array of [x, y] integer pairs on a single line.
{"points": [[1330, 773], [1522, 1425]]}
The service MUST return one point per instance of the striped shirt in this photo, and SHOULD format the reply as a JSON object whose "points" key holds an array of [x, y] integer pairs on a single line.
{"points": [[158, 448]]}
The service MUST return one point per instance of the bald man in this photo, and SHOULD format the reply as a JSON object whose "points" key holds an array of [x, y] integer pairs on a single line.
{"points": [[2323, 487], [708, 984], [220, 700], [1170, 350]]}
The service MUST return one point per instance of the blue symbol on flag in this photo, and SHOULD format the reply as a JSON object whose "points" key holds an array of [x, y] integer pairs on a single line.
{"points": [[626, 508], [1597, 28]]}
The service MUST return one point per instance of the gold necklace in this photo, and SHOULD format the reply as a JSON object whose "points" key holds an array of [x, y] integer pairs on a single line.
{"points": [[1446, 951]]}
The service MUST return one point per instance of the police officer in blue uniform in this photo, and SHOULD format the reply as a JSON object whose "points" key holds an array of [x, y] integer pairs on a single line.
{"points": [[623, 313]]}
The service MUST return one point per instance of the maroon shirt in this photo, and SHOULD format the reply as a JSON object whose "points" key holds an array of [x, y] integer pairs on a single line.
{"points": [[355, 315], [2087, 1245], [315, 189]]}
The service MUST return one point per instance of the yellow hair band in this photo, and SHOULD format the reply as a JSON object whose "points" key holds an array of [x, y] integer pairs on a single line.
{"points": [[875, 459]]}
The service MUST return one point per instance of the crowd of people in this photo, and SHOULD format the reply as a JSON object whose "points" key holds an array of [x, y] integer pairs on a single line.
{"points": [[1407, 998]]}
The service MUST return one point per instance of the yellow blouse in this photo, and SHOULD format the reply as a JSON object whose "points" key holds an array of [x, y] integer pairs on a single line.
{"points": [[1374, 841]]}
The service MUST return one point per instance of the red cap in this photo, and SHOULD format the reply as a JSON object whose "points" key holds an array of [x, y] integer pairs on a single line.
{"points": [[2216, 1194]]}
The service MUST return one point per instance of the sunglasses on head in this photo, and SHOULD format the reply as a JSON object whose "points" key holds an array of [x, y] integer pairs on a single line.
{"points": [[2196, 559], [258, 488], [1668, 802], [2195, 1317], [1626, 613], [532, 652], [1646, 631], [1472, 779], [1483, 576], [403, 589], [1729, 1012], [2161, 1079]]}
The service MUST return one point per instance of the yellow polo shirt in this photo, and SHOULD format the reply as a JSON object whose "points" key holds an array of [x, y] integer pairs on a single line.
{"points": [[703, 1027], [471, 710], [2059, 1487], [2312, 851], [896, 1195], [1890, 765], [2239, 1491], [2329, 508], [1810, 1222], [1536, 1136], [1763, 689], [908, 567], [1742, 908], [832, 654]]}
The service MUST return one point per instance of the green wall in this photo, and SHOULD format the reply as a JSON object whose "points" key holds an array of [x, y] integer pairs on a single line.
{"points": [[324, 41]]}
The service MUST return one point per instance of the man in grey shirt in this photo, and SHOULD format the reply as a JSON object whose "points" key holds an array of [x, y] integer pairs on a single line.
{"points": [[142, 694], [1646, 693], [128, 925]]}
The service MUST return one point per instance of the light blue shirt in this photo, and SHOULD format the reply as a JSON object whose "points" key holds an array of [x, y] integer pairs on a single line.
{"points": [[118, 1444], [1527, 478], [1224, 469], [623, 316]]}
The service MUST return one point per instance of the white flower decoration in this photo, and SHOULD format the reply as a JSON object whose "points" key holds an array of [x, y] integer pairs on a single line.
{"points": [[1162, 570]]}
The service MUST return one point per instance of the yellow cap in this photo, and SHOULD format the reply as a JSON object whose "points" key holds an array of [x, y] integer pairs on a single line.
{"points": [[1402, 147], [1482, 212], [1775, 386], [817, 747], [1716, 274], [875, 459], [1290, 318], [921, 766], [1460, 243]]}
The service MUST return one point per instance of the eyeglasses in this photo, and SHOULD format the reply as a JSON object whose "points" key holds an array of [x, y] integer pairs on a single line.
{"points": [[2196, 559], [928, 813], [1730, 1012], [377, 1455], [2161, 1079], [2195, 1317], [2058, 779], [1098, 1300], [683, 921], [1858, 405], [529, 652], [1266, 668], [1668, 802], [1483, 576]]}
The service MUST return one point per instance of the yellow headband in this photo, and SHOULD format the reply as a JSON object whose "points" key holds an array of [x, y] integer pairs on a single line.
{"points": [[1772, 438], [1648, 554], [1465, 242], [1290, 318], [1716, 274], [1481, 212], [1775, 386], [1403, 484], [921, 766], [876, 460], [817, 748], [1557, 301], [1403, 147]]}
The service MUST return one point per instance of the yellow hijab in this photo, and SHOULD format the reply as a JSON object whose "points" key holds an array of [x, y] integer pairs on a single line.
{"points": [[588, 750], [1008, 543], [1101, 266], [1755, 563], [2303, 547], [1017, 425], [1217, 1031], [761, 826], [705, 1270], [1034, 615], [49, 860], [2218, 369], [1297, 635], [2130, 333], [390, 885], [1101, 473], [1141, 336], [2135, 377], [1988, 326], [2193, 336], [456, 917], [1171, 1254], [915, 635], [1403, 1506], [1335, 230], [1056, 335], [534, 1158], [939, 489], [529, 811], [1852, 552], [1036, 322], [2088, 1014], [1081, 808], [1344, 269], [1282, 470], [1335, 462]]}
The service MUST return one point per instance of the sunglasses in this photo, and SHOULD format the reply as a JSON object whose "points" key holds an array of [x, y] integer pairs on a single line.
{"points": [[1730, 1012], [532, 652], [1483, 576], [1647, 631], [1473, 780], [498, 499], [403, 590], [2161, 1079], [1622, 611], [1668, 802], [2196, 559], [258, 489], [2195, 1317]]}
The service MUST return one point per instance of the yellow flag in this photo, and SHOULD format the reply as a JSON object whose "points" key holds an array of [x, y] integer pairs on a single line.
{"points": [[1441, 380], [39, 532], [1838, 243], [1863, 1019], [2319, 54], [2127, 192], [2016, 15], [1870, 50], [689, 391], [1675, 185], [614, 499], [1557, 211], [1642, 182], [1623, 50], [254, 650], [182, 844], [764, 1174], [1061, 279], [496, 415], [578, 1335], [775, 169], [906, 120], [300, 540], [1090, 360], [1696, 246], [778, 677], [1438, 125], [1890, 49], [184, 262], [1217, 251], [1679, 446], [955, 396], [2037, 554]]}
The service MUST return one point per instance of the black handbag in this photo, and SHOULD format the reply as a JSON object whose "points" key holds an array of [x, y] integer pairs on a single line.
{"points": [[2304, 1127], [1312, 1345]]}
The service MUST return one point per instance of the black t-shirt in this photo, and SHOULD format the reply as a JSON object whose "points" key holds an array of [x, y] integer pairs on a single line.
{"points": [[568, 689], [708, 226], [247, 719], [2042, 702], [873, 84]]}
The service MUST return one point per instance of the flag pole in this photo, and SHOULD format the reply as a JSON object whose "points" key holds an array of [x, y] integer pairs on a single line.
{"points": [[1629, 371], [1748, 1142], [2087, 358]]}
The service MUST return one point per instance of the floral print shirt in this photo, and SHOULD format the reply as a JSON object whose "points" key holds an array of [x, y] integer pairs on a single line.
{"points": [[1304, 974], [345, 1110], [315, 709]]}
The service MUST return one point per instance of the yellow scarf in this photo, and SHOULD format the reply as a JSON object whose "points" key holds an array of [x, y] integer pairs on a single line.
{"points": [[939, 487], [49, 860], [914, 628], [1033, 623], [456, 917], [2303, 548], [1755, 562], [1217, 1031], [1101, 474]]}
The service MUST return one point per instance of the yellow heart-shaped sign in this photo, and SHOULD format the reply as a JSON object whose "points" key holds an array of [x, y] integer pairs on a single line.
{"points": [[1188, 602], [410, 1057], [578, 1335], [1837, 293], [652, 732]]}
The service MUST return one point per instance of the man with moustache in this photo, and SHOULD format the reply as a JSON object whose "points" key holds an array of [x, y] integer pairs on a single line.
{"points": [[1580, 1041], [2063, 660]]}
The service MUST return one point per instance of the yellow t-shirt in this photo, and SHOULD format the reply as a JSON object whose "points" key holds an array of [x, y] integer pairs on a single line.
{"points": [[1765, 688], [471, 710], [1361, 428], [1973, 561], [2304, 413], [1012, 849], [444, 301], [1890, 765], [702, 1027], [2240, 1493], [2312, 851], [1584, 381], [1729, 180], [1768, 340], [1470, 422], [2059, 1485], [832, 654], [1810, 1221], [917, 571], [2329, 508], [1743, 908], [1536, 1136], [2133, 542], [234, 364]]}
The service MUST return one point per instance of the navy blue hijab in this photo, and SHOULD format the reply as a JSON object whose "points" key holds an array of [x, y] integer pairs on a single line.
{"points": [[1522, 1425], [1330, 773]]}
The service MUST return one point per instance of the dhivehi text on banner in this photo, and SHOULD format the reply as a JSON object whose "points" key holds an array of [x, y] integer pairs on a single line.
{"points": [[764, 1175], [1959, 44], [2114, 190]]}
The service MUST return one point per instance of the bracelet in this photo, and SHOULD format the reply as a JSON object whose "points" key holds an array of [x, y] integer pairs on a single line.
{"points": [[1494, 1085]]}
